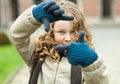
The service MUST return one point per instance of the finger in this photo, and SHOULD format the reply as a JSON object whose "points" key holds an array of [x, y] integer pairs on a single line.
{"points": [[46, 23], [66, 18], [58, 12], [81, 36], [52, 8], [61, 47], [49, 4]]}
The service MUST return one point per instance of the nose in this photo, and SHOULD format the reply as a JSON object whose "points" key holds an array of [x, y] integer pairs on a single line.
{"points": [[68, 38]]}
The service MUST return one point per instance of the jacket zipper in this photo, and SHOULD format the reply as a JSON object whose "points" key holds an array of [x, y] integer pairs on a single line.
{"points": [[56, 72]]}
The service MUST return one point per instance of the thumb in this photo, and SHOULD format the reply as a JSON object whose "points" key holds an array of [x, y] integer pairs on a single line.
{"points": [[46, 23], [61, 47], [81, 36]]}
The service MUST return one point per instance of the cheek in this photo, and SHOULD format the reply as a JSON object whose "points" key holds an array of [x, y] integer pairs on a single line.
{"points": [[58, 39]]}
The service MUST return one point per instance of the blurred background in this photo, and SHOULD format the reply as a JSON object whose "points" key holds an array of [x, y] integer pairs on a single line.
{"points": [[103, 17]]}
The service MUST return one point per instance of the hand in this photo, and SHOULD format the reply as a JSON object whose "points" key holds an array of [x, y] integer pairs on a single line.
{"points": [[49, 11], [80, 52]]}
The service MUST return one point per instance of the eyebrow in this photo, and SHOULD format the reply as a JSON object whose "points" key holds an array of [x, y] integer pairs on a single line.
{"points": [[60, 29]]}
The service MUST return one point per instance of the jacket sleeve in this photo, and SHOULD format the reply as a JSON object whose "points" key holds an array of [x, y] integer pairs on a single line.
{"points": [[23, 33], [96, 73]]}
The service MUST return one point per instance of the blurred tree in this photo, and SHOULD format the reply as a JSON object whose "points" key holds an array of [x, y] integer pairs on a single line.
{"points": [[0, 13], [14, 9], [107, 8]]}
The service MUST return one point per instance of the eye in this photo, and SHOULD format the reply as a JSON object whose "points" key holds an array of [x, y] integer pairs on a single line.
{"points": [[61, 32], [72, 32]]}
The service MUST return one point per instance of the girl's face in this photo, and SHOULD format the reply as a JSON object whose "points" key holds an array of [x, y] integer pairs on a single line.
{"points": [[63, 32]]}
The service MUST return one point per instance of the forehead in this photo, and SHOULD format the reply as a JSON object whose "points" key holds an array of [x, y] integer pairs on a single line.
{"points": [[63, 25]]}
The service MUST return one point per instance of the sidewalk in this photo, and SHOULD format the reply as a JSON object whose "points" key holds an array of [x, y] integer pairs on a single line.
{"points": [[107, 42]]}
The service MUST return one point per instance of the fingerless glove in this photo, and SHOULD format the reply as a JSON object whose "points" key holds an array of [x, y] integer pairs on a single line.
{"points": [[81, 53]]}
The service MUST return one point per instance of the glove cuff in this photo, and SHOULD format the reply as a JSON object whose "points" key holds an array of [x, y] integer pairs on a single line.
{"points": [[97, 64]]}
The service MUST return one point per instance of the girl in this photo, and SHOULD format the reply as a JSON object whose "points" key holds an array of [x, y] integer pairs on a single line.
{"points": [[33, 42]]}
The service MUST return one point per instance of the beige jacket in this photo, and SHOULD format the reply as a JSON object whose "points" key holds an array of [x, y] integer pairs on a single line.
{"points": [[24, 31]]}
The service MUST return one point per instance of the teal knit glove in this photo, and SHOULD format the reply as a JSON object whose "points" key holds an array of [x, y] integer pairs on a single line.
{"points": [[47, 12], [79, 53]]}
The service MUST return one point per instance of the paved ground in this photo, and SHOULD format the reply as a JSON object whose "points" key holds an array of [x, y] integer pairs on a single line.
{"points": [[107, 42]]}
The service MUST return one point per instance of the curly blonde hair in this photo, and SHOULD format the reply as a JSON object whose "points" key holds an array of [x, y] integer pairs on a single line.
{"points": [[45, 44]]}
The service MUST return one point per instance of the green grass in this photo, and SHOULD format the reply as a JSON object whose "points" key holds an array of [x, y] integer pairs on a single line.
{"points": [[10, 60]]}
